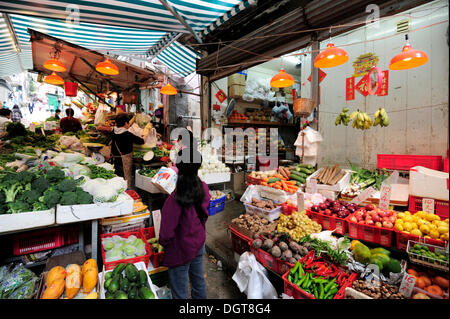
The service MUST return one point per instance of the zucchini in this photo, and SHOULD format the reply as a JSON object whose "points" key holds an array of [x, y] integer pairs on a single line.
{"points": [[308, 166], [298, 178], [273, 180], [305, 170], [299, 174]]}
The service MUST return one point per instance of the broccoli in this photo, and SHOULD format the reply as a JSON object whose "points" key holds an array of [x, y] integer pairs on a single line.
{"points": [[18, 207], [40, 206], [2, 197], [67, 185], [30, 196], [41, 184], [84, 197], [10, 188], [55, 174], [68, 198], [25, 177], [51, 197]]}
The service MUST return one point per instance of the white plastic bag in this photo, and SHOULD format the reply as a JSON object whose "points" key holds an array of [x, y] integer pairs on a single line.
{"points": [[165, 180], [251, 278]]}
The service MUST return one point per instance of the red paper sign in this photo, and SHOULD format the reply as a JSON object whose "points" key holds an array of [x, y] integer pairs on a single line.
{"points": [[216, 107], [350, 88], [384, 84], [361, 86], [322, 76], [221, 96]]}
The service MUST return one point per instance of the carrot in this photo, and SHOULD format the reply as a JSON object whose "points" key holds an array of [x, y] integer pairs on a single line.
{"points": [[264, 184], [278, 176], [277, 187], [290, 183], [285, 188]]}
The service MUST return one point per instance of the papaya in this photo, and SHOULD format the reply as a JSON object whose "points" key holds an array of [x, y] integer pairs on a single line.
{"points": [[89, 264], [90, 279], [55, 273], [376, 262], [72, 268], [55, 289], [73, 284], [353, 244], [393, 265], [361, 253], [381, 257], [380, 250]]}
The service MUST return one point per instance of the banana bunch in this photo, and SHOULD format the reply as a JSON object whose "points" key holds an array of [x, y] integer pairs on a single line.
{"points": [[381, 117], [343, 117], [361, 120]]}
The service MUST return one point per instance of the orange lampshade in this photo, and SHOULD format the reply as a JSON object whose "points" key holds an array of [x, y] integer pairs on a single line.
{"points": [[168, 89], [55, 65], [282, 80], [107, 67], [330, 57], [408, 59], [54, 79]]}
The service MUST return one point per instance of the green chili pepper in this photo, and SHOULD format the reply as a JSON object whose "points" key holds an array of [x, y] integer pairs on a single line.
{"points": [[293, 270], [321, 291], [300, 269], [316, 294], [327, 287], [296, 277]]}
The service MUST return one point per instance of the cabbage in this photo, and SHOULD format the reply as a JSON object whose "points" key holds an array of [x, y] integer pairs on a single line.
{"points": [[109, 245], [130, 240], [130, 250]]}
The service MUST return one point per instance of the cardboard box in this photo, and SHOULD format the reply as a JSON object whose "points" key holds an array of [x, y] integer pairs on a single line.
{"points": [[238, 182], [236, 79], [236, 90]]}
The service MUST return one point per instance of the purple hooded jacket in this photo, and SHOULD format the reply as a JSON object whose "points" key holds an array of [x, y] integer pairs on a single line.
{"points": [[182, 233]]}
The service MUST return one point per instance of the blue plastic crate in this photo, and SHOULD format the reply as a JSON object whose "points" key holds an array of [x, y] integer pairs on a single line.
{"points": [[216, 206]]}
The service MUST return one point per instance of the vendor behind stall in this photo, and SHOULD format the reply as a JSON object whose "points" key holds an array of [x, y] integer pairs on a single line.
{"points": [[5, 118], [122, 147], [69, 123]]}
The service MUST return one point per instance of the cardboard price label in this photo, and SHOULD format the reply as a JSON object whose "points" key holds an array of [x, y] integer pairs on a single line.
{"points": [[385, 196], [156, 221], [365, 194], [428, 205], [300, 201], [407, 285]]}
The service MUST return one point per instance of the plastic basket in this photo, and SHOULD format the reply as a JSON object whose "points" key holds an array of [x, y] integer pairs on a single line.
{"points": [[265, 259], [328, 222], [112, 264], [239, 242], [253, 180], [270, 215], [405, 162], [440, 207], [403, 238], [288, 209], [371, 234], [427, 261], [31, 242], [155, 258], [216, 206]]}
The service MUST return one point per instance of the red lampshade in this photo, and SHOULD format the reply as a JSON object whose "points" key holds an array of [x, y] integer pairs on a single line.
{"points": [[107, 67], [282, 80], [168, 89], [54, 79], [55, 65], [408, 59], [330, 57]]}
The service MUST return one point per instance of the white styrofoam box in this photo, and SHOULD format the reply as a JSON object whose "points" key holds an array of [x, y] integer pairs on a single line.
{"points": [[139, 265], [429, 183], [269, 215], [328, 194], [145, 183], [12, 222], [215, 178], [339, 186], [77, 213]]}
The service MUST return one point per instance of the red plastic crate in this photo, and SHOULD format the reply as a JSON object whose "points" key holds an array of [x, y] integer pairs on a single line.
{"points": [[405, 162], [297, 293], [265, 259], [372, 234], [288, 209], [31, 242], [155, 258], [239, 242], [112, 264], [440, 207], [339, 225]]}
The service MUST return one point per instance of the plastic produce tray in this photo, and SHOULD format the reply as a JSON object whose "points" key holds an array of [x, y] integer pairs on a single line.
{"points": [[427, 261], [216, 206], [270, 215], [372, 234], [441, 207]]}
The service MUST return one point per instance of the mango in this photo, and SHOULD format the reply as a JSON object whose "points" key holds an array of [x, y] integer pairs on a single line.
{"points": [[399, 227], [424, 229], [442, 229], [434, 234], [416, 232]]}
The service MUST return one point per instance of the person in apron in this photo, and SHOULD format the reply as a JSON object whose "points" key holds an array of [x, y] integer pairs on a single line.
{"points": [[122, 148]]}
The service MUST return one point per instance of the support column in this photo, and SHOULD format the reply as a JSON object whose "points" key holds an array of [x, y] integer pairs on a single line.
{"points": [[315, 46]]}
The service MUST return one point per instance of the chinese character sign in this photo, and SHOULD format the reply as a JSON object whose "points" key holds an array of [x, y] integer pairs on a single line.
{"points": [[350, 88], [428, 205], [385, 196], [384, 84], [407, 285], [221, 96]]}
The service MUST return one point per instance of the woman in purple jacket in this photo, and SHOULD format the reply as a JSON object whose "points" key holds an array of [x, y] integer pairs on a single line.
{"points": [[183, 221]]}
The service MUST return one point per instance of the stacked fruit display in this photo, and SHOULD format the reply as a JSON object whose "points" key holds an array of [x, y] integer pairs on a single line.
{"points": [[336, 208], [374, 216], [422, 224]]}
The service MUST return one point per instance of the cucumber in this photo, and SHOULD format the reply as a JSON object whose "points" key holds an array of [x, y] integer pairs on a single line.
{"points": [[146, 293], [299, 174], [142, 277], [131, 272], [308, 166], [118, 269], [305, 170], [298, 178], [273, 180]]}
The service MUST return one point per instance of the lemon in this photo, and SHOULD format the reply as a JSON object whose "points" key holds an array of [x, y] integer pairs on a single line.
{"points": [[414, 226], [426, 236], [437, 218], [430, 217], [399, 227], [424, 229], [401, 215], [442, 229], [416, 232], [407, 219], [446, 221], [444, 237], [434, 234], [407, 213], [408, 226], [432, 227]]}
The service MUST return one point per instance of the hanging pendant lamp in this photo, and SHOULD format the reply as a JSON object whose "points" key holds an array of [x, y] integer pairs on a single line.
{"points": [[55, 65], [282, 80], [168, 89], [54, 79], [107, 67], [409, 58], [330, 57]]}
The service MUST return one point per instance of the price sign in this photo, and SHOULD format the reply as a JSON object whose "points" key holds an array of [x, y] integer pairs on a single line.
{"points": [[363, 195], [428, 205], [313, 184], [300, 201], [385, 196], [407, 285], [156, 221]]}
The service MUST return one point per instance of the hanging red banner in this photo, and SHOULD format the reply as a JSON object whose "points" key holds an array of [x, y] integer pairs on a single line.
{"points": [[350, 88], [322, 76], [216, 107], [361, 86], [221, 96], [385, 84]]}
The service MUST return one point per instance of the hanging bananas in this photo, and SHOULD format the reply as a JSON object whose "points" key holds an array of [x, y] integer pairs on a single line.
{"points": [[361, 120], [343, 117], [381, 117]]}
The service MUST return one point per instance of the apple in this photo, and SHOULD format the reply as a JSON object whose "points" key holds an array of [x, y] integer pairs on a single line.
{"points": [[388, 225], [315, 208], [327, 212], [376, 219], [369, 222], [353, 219], [378, 224], [392, 219], [369, 207], [359, 218], [383, 214], [323, 206]]}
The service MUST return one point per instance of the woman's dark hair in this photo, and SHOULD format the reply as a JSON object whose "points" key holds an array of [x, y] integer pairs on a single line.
{"points": [[70, 112], [15, 106], [57, 111], [122, 119], [5, 112], [189, 189]]}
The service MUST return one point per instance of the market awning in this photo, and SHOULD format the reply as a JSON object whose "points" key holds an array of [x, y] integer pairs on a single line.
{"points": [[120, 27], [80, 63]]}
